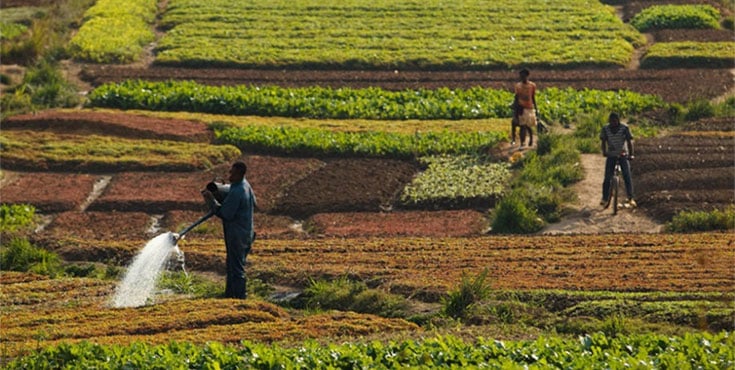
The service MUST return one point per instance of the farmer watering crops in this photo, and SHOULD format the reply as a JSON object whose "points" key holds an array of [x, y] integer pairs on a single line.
{"points": [[236, 212], [524, 112], [617, 145]]}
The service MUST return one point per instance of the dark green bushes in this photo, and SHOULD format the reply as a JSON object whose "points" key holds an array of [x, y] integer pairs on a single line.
{"points": [[539, 190], [43, 86], [19, 255], [460, 301], [703, 221], [346, 295], [367, 103]]}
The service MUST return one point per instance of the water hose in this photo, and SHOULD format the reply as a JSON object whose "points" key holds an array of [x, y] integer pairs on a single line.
{"points": [[218, 193], [180, 235]]}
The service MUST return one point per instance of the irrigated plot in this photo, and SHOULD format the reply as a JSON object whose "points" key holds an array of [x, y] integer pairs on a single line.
{"points": [[701, 83]]}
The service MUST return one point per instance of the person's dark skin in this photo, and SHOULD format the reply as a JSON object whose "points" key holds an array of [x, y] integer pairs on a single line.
{"points": [[524, 76], [235, 175]]}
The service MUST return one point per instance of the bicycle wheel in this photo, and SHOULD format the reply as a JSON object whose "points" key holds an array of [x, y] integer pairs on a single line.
{"points": [[614, 189]]}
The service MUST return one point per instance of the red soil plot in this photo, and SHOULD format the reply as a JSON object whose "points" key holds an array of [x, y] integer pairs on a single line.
{"points": [[402, 223], [158, 192], [709, 35], [154, 192], [100, 225], [49, 192]]}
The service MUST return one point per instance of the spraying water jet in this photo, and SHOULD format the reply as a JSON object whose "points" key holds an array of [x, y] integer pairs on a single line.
{"points": [[138, 285]]}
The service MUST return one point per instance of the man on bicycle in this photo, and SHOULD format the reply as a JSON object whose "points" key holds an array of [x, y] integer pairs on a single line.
{"points": [[617, 145]]}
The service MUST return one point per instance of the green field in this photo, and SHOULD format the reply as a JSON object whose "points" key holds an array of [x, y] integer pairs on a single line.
{"points": [[388, 34]]}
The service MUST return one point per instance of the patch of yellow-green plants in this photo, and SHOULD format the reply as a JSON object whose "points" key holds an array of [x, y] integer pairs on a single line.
{"points": [[402, 34], [373, 103], [46, 151], [115, 31], [690, 54], [456, 181], [659, 17]]}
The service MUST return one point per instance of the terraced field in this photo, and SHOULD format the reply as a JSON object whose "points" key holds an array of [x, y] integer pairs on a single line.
{"points": [[400, 205]]}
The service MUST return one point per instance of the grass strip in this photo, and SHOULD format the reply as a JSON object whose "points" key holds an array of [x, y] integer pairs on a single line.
{"points": [[38, 151]]}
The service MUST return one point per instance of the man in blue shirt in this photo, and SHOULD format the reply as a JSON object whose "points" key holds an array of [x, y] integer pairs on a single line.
{"points": [[236, 212]]}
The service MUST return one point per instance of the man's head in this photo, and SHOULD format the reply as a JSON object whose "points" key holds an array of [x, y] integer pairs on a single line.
{"points": [[237, 172], [614, 119], [524, 73]]}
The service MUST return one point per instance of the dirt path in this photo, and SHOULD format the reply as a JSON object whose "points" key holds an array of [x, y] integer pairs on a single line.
{"points": [[587, 217]]}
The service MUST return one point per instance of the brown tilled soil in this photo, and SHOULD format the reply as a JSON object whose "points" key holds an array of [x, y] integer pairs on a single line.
{"points": [[153, 192], [347, 185], [100, 225], [48, 192], [400, 223], [686, 172]]}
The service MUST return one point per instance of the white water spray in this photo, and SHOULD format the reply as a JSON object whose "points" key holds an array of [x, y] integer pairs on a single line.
{"points": [[139, 283]]}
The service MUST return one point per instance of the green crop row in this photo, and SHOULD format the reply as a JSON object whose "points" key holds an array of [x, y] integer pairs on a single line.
{"points": [[688, 54], [431, 34], [115, 31], [456, 179], [370, 103], [319, 142], [596, 351], [676, 16]]}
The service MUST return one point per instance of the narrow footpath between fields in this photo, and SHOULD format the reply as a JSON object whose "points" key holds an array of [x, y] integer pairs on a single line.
{"points": [[588, 217]]}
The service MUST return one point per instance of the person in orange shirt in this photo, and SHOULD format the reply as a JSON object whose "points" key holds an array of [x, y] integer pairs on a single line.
{"points": [[525, 103]]}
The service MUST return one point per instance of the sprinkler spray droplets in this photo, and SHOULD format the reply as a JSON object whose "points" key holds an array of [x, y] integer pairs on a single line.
{"points": [[138, 286]]}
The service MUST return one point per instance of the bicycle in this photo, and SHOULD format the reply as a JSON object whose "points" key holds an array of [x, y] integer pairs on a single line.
{"points": [[615, 184]]}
